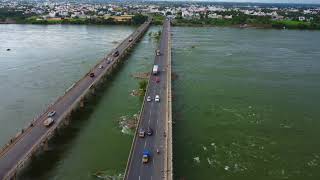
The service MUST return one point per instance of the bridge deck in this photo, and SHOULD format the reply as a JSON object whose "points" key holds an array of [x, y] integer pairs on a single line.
{"points": [[21, 148], [154, 115]]}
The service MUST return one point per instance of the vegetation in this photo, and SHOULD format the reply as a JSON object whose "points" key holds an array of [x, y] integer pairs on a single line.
{"points": [[291, 24], [158, 19], [155, 35], [251, 21], [8, 16], [139, 19], [143, 86], [12, 16]]}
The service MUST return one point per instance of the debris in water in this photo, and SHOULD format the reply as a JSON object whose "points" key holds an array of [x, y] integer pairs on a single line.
{"points": [[114, 42], [204, 148], [136, 92], [107, 175], [226, 168], [128, 124], [209, 161], [196, 159], [141, 75]]}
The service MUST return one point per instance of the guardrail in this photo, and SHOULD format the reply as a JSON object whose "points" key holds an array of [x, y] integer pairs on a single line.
{"points": [[169, 115], [27, 128]]}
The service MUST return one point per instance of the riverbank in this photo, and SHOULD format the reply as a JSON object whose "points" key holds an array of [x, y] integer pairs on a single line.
{"points": [[112, 20], [285, 24]]}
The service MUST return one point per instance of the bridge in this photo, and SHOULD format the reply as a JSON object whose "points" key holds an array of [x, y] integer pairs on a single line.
{"points": [[157, 116], [34, 137]]}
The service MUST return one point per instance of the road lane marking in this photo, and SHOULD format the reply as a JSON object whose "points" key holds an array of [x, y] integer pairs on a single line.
{"points": [[139, 177], [145, 143]]}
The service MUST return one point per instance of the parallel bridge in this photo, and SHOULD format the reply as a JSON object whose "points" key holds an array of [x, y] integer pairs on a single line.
{"points": [[158, 117], [34, 137]]}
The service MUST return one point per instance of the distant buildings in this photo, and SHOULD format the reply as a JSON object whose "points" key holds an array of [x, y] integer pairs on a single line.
{"points": [[50, 9]]}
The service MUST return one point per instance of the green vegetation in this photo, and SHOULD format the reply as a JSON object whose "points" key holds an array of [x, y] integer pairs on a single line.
{"points": [[143, 86], [139, 19], [155, 35], [290, 24], [158, 19], [34, 20], [9, 16], [263, 22], [239, 18]]}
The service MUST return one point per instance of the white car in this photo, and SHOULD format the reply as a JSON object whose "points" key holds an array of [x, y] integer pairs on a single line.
{"points": [[157, 98], [52, 113], [148, 99]]}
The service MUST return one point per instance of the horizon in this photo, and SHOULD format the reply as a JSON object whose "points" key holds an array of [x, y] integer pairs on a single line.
{"points": [[252, 1]]}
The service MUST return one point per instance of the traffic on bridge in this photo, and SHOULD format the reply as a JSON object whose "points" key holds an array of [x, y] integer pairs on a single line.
{"points": [[147, 159], [20, 149]]}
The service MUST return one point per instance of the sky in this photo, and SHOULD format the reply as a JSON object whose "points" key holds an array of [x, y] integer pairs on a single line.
{"points": [[264, 1]]}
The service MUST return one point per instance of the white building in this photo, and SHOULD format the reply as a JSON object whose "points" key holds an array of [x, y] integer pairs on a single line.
{"points": [[302, 18]]}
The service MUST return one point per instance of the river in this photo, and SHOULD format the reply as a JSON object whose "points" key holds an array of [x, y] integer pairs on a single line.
{"points": [[43, 62], [245, 100], [246, 104]]}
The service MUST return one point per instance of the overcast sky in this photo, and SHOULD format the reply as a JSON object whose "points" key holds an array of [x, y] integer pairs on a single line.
{"points": [[265, 1]]}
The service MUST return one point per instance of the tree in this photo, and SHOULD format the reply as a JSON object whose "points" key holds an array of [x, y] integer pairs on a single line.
{"points": [[139, 19], [168, 13], [179, 15]]}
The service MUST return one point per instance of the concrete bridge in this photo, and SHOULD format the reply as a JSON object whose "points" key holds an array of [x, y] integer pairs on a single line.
{"points": [[156, 115], [34, 138]]}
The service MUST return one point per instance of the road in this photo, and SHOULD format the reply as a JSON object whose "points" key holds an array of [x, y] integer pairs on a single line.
{"points": [[154, 116], [23, 146]]}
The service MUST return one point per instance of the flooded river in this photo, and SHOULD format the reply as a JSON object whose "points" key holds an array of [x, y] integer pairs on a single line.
{"points": [[246, 104]]}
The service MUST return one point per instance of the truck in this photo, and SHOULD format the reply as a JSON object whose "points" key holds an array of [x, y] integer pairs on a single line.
{"points": [[155, 69], [48, 122]]}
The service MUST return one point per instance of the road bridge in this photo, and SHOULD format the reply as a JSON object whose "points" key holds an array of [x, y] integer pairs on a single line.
{"points": [[157, 116], [34, 137]]}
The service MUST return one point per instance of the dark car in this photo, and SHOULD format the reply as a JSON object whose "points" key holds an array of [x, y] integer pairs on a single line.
{"points": [[149, 132], [91, 74], [157, 79], [116, 54], [130, 39]]}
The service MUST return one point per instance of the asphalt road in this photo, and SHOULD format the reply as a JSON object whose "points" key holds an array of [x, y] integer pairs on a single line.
{"points": [[23, 145], [153, 116]]}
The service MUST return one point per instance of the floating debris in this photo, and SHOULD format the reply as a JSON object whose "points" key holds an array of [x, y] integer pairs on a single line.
{"points": [[107, 175], [136, 92], [196, 159], [141, 75], [174, 76], [193, 46], [114, 42], [128, 124], [226, 168], [209, 161], [204, 148]]}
